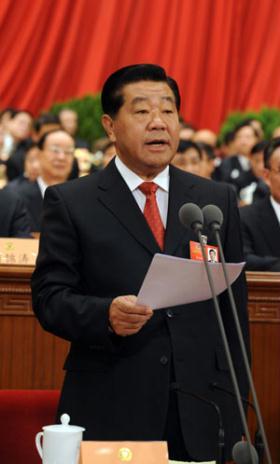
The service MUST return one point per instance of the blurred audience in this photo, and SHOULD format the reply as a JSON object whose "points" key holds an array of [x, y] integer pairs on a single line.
{"points": [[186, 131], [258, 188], [31, 168], [205, 136], [19, 127], [14, 218], [236, 169], [261, 220], [56, 154], [188, 157], [207, 165], [69, 122], [46, 122]]}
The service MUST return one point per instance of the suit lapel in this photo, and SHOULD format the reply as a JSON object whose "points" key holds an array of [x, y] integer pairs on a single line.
{"points": [[180, 191], [116, 196]]}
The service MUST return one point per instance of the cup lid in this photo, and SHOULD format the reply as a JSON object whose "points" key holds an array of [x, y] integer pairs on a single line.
{"points": [[64, 426]]}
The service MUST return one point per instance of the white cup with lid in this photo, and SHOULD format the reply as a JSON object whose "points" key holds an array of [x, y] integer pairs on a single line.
{"points": [[61, 442]]}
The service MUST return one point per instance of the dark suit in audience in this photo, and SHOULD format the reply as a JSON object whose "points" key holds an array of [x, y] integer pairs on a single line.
{"points": [[14, 219], [33, 199], [261, 234]]}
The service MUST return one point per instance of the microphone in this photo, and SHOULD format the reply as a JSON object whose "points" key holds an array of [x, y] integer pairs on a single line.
{"points": [[258, 442], [213, 218], [221, 432], [190, 217]]}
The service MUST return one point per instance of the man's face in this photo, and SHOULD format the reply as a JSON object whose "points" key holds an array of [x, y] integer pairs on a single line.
{"points": [[244, 140], [272, 175], [257, 164], [56, 158], [189, 161], [69, 121], [32, 163], [146, 128], [20, 126]]}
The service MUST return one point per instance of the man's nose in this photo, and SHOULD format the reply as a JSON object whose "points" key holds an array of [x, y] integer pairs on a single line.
{"points": [[157, 120]]}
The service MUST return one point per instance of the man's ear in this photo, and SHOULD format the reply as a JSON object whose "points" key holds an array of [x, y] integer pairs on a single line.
{"points": [[266, 176], [108, 125]]}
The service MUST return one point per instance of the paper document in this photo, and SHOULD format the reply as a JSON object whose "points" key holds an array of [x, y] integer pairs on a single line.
{"points": [[174, 281]]}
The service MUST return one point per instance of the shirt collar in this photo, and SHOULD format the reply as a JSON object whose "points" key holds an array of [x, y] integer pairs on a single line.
{"points": [[42, 185], [133, 180]]}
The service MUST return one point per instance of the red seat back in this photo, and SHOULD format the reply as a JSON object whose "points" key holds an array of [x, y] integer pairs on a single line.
{"points": [[22, 415]]}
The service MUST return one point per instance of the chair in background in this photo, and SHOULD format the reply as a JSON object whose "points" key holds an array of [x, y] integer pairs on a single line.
{"points": [[23, 413]]}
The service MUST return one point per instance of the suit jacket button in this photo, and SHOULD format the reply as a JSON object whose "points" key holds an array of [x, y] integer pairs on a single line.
{"points": [[164, 360], [169, 313]]}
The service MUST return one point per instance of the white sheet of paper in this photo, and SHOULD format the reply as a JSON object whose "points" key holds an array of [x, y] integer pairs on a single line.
{"points": [[172, 281]]}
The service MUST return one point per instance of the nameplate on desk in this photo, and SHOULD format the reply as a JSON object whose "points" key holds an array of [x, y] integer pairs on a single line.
{"points": [[122, 452], [18, 251]]}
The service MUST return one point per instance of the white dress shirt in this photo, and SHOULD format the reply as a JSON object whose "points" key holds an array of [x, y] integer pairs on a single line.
{"points": [[133, 181], [42, 186]]}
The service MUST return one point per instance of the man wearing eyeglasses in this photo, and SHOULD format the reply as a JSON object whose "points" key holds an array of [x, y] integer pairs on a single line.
{"points": [[261, 220], [56, 160]]}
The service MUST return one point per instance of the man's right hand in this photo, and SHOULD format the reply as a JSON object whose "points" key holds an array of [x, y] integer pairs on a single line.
{"points": [[126, 317]]}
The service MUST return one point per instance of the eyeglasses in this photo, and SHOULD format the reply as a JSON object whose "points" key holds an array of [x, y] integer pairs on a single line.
{"points": [[57, 150]]}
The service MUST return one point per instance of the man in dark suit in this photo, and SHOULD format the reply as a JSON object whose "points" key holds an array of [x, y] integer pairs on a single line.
{"points": [[97, 243], [261, 220], [14, 219], [236, 169], [56, 160]]}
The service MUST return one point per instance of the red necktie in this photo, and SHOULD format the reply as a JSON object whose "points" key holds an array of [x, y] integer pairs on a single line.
{"points": [[151, 212]]}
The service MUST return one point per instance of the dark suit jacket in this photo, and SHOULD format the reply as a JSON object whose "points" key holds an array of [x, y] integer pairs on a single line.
{"points": [[231, 171], [14, 219], [32, 197], [261, 236], [96, 245]]}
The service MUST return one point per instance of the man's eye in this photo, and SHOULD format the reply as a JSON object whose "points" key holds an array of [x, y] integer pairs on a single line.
{"points": [[168, 111], [141, 111]]}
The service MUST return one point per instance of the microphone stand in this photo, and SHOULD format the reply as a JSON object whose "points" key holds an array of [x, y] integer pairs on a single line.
{"points": [[258, 443], [197, 227], [215, 227], [221, 432]]}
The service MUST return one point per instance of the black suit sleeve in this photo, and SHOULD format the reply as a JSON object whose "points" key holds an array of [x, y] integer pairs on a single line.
{"points": [[60, 300], [21, 222], [255, 261]]}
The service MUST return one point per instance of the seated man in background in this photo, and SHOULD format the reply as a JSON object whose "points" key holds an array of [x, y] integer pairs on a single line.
{"points": [[205, 136], [31, 168], [188, 157], [257, 189], [56, 160], [261, 220], [70, 122], [19, 126], [14, 219], [237, 169], [207, 165]]}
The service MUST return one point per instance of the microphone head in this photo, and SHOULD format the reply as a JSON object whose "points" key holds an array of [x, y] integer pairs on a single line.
{"points": [[241, 453], [213, 217], [191, 216]]}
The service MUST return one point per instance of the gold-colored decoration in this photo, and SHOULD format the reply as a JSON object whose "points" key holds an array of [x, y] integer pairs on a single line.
{"points": [[125, 454]]}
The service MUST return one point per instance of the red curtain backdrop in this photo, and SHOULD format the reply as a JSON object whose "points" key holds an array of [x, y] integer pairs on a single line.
{"points": [[225, 54]]}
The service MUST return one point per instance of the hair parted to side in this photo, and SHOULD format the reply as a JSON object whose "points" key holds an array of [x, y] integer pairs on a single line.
{"points": [[111, 96], [269, 150]]}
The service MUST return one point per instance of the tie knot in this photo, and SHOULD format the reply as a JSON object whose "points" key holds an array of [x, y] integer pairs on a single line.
{"points": [[148, 188]]}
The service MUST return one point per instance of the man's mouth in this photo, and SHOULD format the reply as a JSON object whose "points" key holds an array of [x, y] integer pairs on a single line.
{"points": [[157, 142]]}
